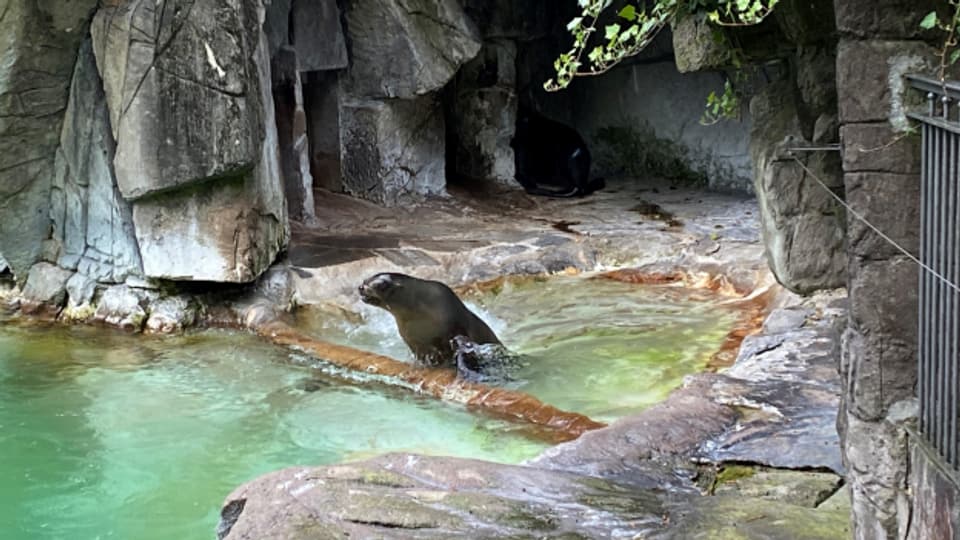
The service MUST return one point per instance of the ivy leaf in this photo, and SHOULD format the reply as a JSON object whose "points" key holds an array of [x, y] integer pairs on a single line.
{"points": [[595, 55], [612, 31], [954, 56], [929, 21], [574, 23], [628, 12]]}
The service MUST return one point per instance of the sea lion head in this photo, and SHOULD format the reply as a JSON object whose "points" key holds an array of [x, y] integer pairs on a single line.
{"points": [[377, 290]]}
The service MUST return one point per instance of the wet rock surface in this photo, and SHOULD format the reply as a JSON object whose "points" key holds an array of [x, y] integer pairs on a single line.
{"points": [[771, 412]]}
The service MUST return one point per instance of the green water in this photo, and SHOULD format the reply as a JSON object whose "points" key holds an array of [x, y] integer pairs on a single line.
{"points": [[598, 347], [108, 435], [105, 435]]}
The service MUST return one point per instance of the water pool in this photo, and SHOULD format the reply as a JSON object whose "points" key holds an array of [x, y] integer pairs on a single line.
{"points": [[598, 347], [107, 435]]}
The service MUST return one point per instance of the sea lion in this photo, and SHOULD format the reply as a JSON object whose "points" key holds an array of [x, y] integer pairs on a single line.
{"points": [[551, 158], [429, 315], [485, 363]]}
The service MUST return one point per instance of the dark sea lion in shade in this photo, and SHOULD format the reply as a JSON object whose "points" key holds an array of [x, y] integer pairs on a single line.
{"points": [[429, 316], [551, 158]]}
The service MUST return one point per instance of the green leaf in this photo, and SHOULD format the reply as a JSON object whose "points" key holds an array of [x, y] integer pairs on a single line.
{"points": [[929, 21], [574, 23], [595, 54], [954, 56], [612, 31], [628, 12]]}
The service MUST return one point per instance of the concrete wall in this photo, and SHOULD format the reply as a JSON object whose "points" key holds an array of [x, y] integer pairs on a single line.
{"points": [[660, 109]]}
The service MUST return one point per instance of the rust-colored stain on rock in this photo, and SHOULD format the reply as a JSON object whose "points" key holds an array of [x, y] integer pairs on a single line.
{"points": [[547, 422]]}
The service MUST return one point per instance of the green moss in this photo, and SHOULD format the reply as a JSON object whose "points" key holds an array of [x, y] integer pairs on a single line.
{"points": [[732, 473], [385, 478], [631, 151], [505, 512], [78, 313]]}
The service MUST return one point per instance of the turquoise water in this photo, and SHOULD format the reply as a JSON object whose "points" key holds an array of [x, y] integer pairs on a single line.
{"points": [[106, 435]]}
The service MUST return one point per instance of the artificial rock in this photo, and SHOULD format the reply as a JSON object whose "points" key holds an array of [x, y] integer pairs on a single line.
{"points": [[38, 47], [192, 115], [406, 48]]}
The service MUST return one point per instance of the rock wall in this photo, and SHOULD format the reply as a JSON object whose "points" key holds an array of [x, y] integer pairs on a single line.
{"points": [[881, 178], [188, 89], [803, 226], [37, 56], [392, 129], [141, 146]]}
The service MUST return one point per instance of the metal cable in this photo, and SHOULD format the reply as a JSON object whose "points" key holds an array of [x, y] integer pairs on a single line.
{"points": [[891, 241]]}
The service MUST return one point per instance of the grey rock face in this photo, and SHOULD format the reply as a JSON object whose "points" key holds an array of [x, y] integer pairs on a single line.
{"points": [[390, 497], [392, 150], [181, 84], [38, 46], [695, 46], [46, 289], [869, 77], [171, 314], [122, 306], [483, 113], [292, 135], [92, 223], [318, 35], [803, 226], [876, 453], [192, 114], [895, 19], [406, 48]]}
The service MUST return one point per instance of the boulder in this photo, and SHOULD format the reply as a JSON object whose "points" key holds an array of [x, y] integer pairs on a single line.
{"points": [[92, 223], [38, 48], [482, 111], [196, 137], [392, 150], [122, 306], [171, 314], [803, 226], [406, 48], [410, 496], [45, 292], [80, 292], [695, 45]]}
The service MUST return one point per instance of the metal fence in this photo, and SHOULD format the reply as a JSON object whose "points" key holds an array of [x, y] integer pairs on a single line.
{"points": [[939, 314]]}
